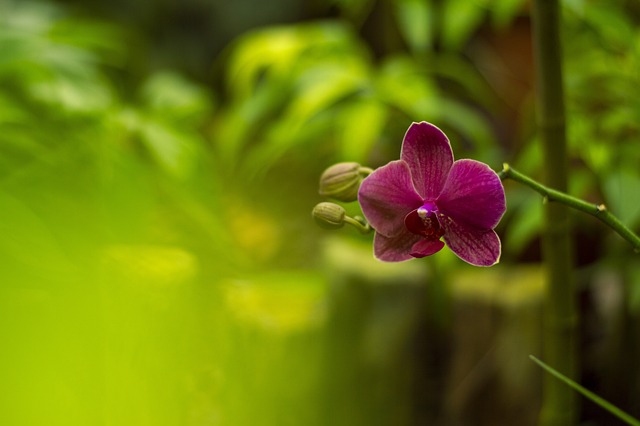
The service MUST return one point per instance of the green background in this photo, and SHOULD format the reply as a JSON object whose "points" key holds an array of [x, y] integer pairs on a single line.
{"points": [[158, 165]]}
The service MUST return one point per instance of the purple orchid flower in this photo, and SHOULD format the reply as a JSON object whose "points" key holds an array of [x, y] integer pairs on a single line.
{"points": [[414, 202]]}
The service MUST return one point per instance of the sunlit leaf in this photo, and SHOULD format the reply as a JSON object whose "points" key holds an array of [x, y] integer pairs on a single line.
{"points": [[276, 53], [294, 72], [318, 91]]}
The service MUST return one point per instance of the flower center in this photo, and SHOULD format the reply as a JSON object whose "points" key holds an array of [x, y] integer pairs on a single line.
{"points": [[423, 221]]}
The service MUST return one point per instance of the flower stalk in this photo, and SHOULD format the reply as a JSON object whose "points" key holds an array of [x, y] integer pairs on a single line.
{"points": [[600, 211], [560, 319]]}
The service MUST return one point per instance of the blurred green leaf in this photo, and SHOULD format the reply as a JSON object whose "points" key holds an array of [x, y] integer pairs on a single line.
{"points": [[526, 225], [295, 73], [363, 123], [176, 99], [464, 74], [173, 149], [402, 84], [469, 122], [612, 24], [356, 10], [461, 19], [318, 90], [621, 189], [415, 21], [505, 11], [29, 241], [277, 53]]}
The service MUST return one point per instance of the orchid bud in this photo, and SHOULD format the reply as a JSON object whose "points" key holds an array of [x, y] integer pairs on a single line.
{"points": [[342, 181], [329, 215]]}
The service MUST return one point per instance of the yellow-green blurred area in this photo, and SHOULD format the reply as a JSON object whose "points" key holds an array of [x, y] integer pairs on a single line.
{"points": [[159, 161]]}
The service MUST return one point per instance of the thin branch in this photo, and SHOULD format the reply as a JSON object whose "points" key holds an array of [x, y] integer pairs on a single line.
{"points": [[598, 210]]}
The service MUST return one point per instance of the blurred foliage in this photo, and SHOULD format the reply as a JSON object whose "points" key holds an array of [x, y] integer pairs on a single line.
{"points": [[601, 64], [158, 263], [324, 88]]}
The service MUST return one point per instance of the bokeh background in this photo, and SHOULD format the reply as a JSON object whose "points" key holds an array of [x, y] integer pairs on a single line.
{"points": [[158, 165]]}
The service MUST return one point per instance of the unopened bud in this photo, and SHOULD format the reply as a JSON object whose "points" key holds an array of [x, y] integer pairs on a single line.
{"points": [[342, 181], [329, 215]]}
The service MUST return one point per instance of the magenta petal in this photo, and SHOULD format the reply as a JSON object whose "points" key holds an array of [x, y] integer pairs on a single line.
{"points": [[473, 195], [477, 247], [394, 249], [386, 196], [428, 153], [426, 247]]}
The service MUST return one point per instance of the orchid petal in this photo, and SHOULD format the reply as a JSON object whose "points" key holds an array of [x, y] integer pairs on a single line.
{"points": [[386, 196], [426, 247], [395, 249], [473, 195], [427, 151], [475, 246]]}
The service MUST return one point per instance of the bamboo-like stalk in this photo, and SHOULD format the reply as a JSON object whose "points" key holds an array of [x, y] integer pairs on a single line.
{"points": [[559, 317]]}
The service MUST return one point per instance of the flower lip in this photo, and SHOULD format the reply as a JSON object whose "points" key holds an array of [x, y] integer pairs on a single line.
{"points": [[426, 209], [424, 221]]}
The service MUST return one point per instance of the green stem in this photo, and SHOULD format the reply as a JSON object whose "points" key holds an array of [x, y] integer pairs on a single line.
{"points": [[598, 210], [359, 223], [588, 394], [560, 318], [365, 171]]}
